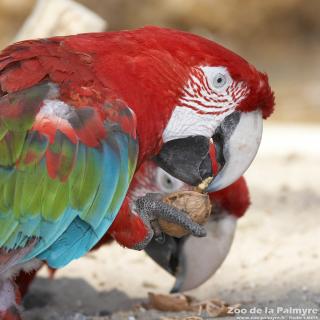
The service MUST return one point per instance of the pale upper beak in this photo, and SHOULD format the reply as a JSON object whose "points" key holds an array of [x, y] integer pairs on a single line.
{"points": [[238, 149]]}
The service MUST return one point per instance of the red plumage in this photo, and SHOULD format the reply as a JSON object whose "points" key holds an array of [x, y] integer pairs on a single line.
{"points": [[235, 198], [155, 61]]}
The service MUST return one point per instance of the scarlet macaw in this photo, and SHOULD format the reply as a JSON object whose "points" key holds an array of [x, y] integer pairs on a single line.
{"points": [[79, 114]]}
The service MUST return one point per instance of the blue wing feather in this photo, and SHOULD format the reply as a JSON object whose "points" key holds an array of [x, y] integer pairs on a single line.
{"points": [[83, 233], [61, 192]]}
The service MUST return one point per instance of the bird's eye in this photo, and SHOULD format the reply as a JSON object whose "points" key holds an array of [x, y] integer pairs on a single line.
{"points": [[219, 80], [166, 182]]}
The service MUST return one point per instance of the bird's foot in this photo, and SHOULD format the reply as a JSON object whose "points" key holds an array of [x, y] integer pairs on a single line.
{"points": [[151, 208]]}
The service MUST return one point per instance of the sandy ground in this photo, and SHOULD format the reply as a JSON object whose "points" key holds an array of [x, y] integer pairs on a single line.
{"points": [[274, 260]]}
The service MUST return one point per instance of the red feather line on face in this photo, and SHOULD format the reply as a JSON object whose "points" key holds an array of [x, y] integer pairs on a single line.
{"points": [[200, 97]]}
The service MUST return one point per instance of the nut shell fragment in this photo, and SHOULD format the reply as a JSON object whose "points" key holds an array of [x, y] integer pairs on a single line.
{"points": [[180, 302]]}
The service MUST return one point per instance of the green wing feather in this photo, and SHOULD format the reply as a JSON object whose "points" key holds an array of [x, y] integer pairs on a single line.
{"points": [[62, 170]]}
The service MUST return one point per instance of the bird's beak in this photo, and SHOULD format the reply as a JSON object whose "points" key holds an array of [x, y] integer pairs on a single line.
{"points": [[187, 159], [194, 260], [225, 157], [237, 139]]}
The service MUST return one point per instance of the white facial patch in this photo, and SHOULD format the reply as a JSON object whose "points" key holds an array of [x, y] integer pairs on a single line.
{"points": [[185, 122], [208, 97]]}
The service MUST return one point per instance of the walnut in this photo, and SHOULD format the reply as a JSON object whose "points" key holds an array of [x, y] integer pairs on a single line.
{"points": [[197, 205]]}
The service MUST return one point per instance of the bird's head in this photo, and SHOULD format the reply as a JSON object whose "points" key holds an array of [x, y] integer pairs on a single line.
{"points": [[192, 260], [215, 126], [199, 106]]}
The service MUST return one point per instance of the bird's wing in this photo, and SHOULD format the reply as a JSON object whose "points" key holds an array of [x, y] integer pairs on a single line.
{"points": [[64, 171]]}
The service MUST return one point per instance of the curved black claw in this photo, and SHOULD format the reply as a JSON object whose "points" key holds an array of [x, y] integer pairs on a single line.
{"points": [[161, 238], [158, 236]]}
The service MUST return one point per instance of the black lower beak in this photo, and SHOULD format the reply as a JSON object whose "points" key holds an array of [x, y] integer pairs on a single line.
{"points": [[187, 159], [167, 254]]}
